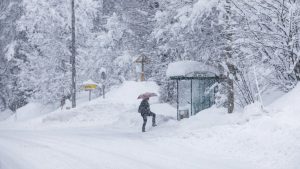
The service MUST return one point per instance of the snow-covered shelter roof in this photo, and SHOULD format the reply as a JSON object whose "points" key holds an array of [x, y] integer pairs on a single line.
{"points": [[190, 68]]}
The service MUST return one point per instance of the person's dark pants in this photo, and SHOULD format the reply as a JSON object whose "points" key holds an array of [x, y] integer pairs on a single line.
{"points": [[145, 119]]}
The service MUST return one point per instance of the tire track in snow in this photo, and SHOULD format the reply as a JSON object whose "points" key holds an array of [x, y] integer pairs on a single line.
{"points": [[8, 161], [63, 151], [105, 149], [36, 154]]}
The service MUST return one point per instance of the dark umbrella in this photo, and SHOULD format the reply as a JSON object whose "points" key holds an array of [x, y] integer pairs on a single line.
{"points": [[146, 95]]}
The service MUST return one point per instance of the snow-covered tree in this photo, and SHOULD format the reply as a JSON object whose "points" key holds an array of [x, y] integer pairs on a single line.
{"points": [[213, 32], [122, 30], [47, 27], [10, 96], [110, 35], [274, 29]]}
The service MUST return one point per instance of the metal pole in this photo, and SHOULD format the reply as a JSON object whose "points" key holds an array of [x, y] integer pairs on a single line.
{"points": [[191, 97], [103, 91], [177, 100], [216, 88], [209, 92], [90, 95]]}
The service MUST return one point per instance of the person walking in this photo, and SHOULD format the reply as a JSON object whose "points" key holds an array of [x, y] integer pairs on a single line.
{"points": [[145, 111]]}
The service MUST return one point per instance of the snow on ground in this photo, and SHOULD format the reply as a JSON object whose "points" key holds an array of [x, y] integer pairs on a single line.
{"points": [[4, 115], [119, 109], [105, 133], [30, 111], [34, 109]]}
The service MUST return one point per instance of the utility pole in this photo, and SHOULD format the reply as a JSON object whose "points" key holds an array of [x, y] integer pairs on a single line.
{"points": [[73, 56]]}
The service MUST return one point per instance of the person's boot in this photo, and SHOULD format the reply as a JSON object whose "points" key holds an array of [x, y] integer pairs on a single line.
{"points": [[153, 120], [143, 127], [144, 123]]}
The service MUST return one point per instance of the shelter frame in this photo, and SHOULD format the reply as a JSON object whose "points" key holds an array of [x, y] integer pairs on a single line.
{"points": [[191, 79]]}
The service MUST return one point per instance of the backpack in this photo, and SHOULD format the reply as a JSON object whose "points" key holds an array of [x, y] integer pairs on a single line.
{"points": [[140, 108], [144, 107]]}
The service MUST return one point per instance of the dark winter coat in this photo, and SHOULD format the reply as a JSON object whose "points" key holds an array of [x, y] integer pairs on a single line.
{"points": [[144, 107]]}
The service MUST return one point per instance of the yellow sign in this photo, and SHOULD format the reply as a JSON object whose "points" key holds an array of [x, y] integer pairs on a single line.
{"points": [[90, 86]]}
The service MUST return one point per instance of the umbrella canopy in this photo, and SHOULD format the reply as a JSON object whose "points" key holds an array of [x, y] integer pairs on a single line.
{"points": [[146, 95]]}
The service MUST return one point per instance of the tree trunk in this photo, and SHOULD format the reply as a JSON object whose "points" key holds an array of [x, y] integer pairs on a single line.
{"points": [[228, 57], [230, 89], [297, 70], [3, 102]]}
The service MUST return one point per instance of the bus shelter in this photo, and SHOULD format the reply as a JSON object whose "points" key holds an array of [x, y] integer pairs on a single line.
{"points": [[196, 86]]}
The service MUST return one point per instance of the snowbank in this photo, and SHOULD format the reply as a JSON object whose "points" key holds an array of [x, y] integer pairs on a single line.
{"points": [[5, 114], [118, 109], [32, 110], [128, 92], [184, 68], [287, 109], [269, 140], [207, 118], [265, 140]]}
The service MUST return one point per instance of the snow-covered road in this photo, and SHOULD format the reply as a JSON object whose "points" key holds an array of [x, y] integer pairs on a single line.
{"points": [[105, 134], [99, 148]]}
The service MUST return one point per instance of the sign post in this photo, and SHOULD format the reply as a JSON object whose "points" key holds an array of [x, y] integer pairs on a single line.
{"points": [[89, 86], [142, 60]]}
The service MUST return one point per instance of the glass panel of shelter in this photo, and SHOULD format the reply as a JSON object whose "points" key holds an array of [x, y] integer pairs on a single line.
{"points": [[203, 94], [198, 92], [184, 98]]}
